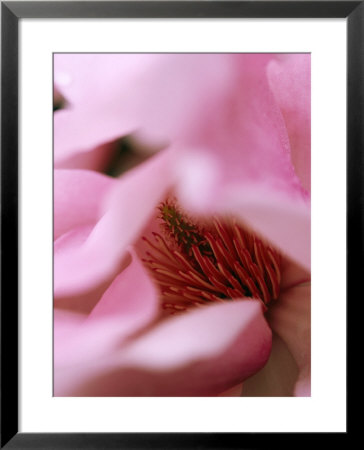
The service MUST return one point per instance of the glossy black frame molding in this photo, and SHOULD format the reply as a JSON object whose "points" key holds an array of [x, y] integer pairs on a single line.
{"points": [[353, 11]]}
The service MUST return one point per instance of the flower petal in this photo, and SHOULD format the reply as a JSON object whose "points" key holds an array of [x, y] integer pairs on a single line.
{"points": [[93, 85], [79, 339], [284, 221], [132, 296], [241, 159], [201, 334], [82, 302], [78, 196], [278, 376], [158, 95], [128, 207], [290, 80], [245, 132], [76, 134], [290, 318], [95, 159], [202, 353]]}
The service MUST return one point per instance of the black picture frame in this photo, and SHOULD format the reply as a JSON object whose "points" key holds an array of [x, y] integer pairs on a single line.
{"points": [[11, 13]]}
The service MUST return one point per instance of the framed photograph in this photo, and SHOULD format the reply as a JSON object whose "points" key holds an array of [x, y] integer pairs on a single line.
{"points": [[181, 219]]}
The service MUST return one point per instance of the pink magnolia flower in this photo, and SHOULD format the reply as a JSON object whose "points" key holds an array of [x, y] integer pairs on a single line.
{"points": [[130, 93], [247, 155]]}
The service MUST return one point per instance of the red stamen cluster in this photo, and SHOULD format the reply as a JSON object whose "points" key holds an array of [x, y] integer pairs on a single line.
{"points": [[197, 264]]}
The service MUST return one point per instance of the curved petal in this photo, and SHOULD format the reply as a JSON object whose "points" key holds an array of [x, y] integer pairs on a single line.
{"points": [[78, 197], [174, 95], [201, 334], [159, 94], [97, 158], [124, 309], [93, 85], [202, 353], [240, 162], [290, 80], [65, 329], [278, 376], [245, 132], [128, 207], [74, 238], [283, 221], [96, 78], [79, 135], [132, 296], [290, 318], [81, 302]]}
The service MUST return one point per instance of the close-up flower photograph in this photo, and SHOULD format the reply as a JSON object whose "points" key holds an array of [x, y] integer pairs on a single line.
{"points": [[182, 219]]}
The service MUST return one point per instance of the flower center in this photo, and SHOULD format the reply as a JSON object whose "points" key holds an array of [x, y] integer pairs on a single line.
{"points": [[198, 263]]}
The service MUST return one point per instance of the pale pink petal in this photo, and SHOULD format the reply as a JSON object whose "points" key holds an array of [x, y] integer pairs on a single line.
{"points": [[84, 342], [240, 162], [94, 86], [290, 80], [66, 326], [78, 302], [74, 238], [78, 197], [76, 133], [202, 353], [132, 296], [131, 203], [173, 96], [66, 323], [283, 221], [124, 309], [97, 158], [245, 131], [84, 303], [200, 188], [277, 378], [201, 334], [290, 318], [160, 95], [92, 78]]}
